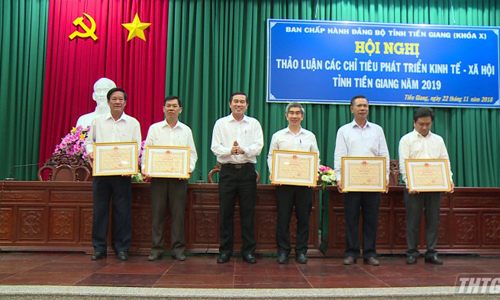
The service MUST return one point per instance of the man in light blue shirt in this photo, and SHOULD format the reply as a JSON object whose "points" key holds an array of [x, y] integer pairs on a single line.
{"points": [[421, 143], [170, 192], [294, 138], [115, 126], [364, 139]]}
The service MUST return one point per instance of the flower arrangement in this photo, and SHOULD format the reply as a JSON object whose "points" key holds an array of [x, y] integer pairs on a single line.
{"points": [[72, 151], [72, 145], [326, 176], [141, 153], [138, 177]]}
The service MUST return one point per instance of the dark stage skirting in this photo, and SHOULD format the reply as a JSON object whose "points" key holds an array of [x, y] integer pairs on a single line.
{"points": [[57, 216]]}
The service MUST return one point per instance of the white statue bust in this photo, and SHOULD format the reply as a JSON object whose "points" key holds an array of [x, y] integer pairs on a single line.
{"points": [[101, 89]]}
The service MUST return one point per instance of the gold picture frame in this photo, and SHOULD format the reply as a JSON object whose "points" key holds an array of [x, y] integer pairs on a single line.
{"points": [[294, 168], [115, 159], [428, 175], [363, 174], [167, 161]]}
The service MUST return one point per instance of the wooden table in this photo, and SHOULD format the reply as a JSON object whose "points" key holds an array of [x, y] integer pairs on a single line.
{"points": [[57, 216]]}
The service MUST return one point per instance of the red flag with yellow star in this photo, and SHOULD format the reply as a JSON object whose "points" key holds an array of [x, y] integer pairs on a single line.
{"points": [[125, 41]]}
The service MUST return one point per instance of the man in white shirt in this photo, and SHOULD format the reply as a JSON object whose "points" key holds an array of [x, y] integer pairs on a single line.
{"points": [[169, 191], [237, 140], [365, 139], [116, 126], [294, 138], [421, 143]]}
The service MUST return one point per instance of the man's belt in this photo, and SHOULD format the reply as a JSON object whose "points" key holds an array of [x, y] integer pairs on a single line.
{"points": [[237, 166]]}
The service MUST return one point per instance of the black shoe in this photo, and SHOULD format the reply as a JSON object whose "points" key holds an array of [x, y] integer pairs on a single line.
{"points": [[282, 258], [349, 261], [98, 255], [223, 258], [411, 260], [301, 258], [433, 260], [249, 258], [122, 255], [155, 256], [179, 257], [372, 261]]}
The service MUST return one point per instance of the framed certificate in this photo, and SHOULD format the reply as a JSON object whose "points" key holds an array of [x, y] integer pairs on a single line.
{"points": [[363, 174], [167, 161], [115, 159], [428, 175], [294, 168]]}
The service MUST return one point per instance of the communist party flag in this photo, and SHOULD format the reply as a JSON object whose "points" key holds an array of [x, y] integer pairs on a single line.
{"points": [[123, 40]]}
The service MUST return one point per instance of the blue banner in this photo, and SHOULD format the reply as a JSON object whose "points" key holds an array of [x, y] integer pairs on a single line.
{"points": [[391, 64]]}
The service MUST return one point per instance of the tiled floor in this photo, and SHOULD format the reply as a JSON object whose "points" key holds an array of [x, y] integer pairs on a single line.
{"points": [[76, 269]]}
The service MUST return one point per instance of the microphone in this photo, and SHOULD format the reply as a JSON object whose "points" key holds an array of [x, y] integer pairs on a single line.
{"points": [[10, 178]]}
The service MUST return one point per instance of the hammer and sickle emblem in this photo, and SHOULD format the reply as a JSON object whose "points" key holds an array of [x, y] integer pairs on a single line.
{"points": [[89, 32]]}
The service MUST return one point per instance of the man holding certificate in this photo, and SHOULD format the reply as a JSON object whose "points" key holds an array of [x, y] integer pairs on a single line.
{"points": [[237, 140], [360, 138], [421, 143], [294, 138], [169, 191], [115, 126]]}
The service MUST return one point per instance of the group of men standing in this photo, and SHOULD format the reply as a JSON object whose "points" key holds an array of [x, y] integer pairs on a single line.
{"points": [[236, 142], [366, 139]]}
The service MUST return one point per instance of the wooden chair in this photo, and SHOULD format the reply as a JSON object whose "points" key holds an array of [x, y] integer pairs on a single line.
{"points": [[217, 168], [63, 173], [394, 172]]}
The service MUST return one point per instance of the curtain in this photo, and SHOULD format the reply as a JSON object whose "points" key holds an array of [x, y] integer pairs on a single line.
{"points": [[73, 66], [215, 48], [219, 47], [22, 64]]}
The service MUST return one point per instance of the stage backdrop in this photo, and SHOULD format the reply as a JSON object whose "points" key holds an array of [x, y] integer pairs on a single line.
{"points": [[396, 64], [214, 48], [73, 65], [218, 47]]}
